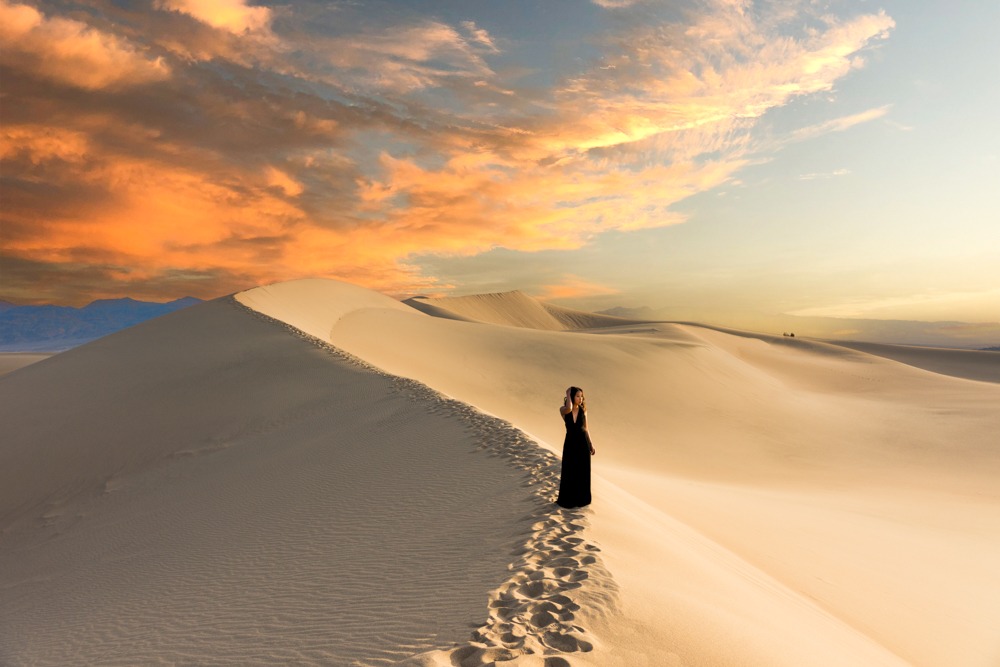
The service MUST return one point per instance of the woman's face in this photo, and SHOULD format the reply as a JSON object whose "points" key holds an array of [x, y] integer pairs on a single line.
{"points": [[578, 398]]}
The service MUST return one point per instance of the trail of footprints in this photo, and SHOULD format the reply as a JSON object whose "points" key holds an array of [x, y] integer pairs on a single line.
{"points": [[532, 616], [534, 612]]}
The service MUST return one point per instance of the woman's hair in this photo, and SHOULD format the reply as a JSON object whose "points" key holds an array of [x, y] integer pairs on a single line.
{"points": [[573, 391]]}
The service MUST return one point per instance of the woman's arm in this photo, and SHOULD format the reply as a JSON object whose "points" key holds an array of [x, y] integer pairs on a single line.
{"points": [[586, 434], [567, 405]]}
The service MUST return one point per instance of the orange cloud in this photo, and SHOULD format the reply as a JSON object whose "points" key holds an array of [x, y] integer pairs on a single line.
{"points": [[38, 144], [234, 16], [71, 52], [279, 179], [571, 287], [340, 158]]}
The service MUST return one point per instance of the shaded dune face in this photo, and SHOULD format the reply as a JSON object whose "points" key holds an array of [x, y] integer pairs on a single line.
{"points": [[208, 488]]}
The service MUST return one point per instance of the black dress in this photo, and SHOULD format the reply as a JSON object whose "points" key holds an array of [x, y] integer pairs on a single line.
{"points": [[574, 485]]}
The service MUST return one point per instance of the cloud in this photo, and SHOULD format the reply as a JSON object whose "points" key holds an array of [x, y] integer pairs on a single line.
{"points": [[824, 175], [615, 4], [72, 53], [972, 306], [39, 144], [404, 58], [717, 70], [840, 124], [374, 141], [574, 286], [480, 36], [615, 149], [233, 16], [276, 178]]}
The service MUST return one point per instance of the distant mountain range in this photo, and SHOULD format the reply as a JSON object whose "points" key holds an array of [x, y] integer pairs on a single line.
{"points": [[58, 328]]}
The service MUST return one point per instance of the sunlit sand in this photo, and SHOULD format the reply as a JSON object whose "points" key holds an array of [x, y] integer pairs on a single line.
{"points": [[315, 473]]}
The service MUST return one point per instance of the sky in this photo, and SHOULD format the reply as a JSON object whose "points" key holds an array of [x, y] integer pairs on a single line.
{"points": [[706, 159]]}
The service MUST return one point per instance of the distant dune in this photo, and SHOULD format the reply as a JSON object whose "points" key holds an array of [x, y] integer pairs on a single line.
{"points": [[982, 365], [947, 334], [323, 475]]}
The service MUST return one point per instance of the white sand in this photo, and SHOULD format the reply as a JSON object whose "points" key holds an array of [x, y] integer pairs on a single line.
{"points": [[207, 488]]}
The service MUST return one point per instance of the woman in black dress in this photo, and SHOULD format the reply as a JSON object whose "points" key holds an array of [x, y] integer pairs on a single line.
{"points": [[574, 485]]}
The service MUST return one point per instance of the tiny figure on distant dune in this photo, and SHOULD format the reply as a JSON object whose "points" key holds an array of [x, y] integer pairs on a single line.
{"points": [[574, 484]]}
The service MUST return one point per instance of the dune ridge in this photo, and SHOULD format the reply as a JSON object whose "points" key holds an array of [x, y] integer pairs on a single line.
{"points": [[514, 309]]}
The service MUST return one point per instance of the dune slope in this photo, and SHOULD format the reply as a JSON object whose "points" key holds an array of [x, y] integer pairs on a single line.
{"points": [[209, 489]]}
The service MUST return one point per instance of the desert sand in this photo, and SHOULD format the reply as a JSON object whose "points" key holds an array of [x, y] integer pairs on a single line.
{"points": [[315, 473], [11, 361]]}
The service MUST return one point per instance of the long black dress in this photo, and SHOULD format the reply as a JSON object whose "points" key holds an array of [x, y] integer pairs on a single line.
{"points": [[574, 485]]}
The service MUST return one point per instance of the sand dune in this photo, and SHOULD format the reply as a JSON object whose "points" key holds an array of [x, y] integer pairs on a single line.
{"points": [[970, 364], [215, 487], [821, 478], [209, 489]]}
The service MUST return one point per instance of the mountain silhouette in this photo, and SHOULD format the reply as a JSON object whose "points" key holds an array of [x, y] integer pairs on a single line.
{"points": [[56, 328]]}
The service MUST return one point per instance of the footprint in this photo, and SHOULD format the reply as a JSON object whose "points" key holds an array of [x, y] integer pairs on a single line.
{"points": [[566, 643]]}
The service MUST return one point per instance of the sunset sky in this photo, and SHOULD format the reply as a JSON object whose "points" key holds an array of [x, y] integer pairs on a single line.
{"points": [[800, 157]]}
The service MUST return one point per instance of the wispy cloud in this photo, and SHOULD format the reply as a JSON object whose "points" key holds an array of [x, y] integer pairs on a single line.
{"points": [[220, 144], [840, 124], [615, 4], [824, 175], [973, 306]]}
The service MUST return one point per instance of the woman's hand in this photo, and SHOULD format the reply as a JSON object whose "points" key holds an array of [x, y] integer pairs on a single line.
{"points": [[592, 450]]}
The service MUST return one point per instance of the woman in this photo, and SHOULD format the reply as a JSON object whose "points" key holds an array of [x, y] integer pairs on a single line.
{"points": [[574, 485]]}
